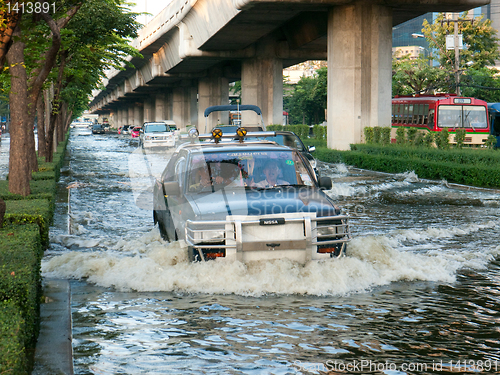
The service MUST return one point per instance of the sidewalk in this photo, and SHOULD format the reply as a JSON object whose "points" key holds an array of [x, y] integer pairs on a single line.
{"points": [[54, 351]]}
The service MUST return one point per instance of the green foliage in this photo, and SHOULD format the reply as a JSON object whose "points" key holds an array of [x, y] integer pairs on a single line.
{"points": [[419, 139], [22, 242], [307, 101], [442, 139], [459, 137], [481, 83], [301, 130], [33, 211], [376, 134], [475, 167], [481, 52], [368, 130], [274, 127], [491, 142], [385, 136], [20, 276], [12, 354], [428, 139], [319, 131], [421, 75], [411, 134], [400, 135], [314, 142], [412, 76]]}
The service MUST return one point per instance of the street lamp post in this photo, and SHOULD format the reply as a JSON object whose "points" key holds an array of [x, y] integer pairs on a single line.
{"points": [[429, 54]]}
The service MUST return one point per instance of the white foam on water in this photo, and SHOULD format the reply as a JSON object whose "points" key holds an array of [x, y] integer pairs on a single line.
{"points": [[437, 233], [409, 176], [342, 189], [149, 264], [428, 190], [341, 168]]}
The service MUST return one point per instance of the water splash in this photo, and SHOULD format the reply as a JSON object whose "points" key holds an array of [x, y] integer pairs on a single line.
{"points": [[149, 264]]}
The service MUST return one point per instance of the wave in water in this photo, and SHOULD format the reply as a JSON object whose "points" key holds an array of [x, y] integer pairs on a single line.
{"points": [[150, 264]]}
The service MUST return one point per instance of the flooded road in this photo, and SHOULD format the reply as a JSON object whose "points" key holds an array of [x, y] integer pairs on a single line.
{"points": [[418, 293]]}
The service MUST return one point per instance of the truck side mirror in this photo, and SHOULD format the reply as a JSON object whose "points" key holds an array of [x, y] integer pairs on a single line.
{"points": [[325, 183], [171, 188]]}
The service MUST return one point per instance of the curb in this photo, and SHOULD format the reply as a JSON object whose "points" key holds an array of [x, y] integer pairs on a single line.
{"points": [[54, 350]]}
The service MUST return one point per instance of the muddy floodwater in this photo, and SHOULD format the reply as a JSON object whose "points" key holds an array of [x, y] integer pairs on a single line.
{"points": [[418, 292]]}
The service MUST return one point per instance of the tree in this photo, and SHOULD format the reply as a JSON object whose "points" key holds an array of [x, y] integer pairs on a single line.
{"points": [[26, 85], [95, 42], [8, 22], [307, 102], [481, 48], [414, 76], [96, 39]]}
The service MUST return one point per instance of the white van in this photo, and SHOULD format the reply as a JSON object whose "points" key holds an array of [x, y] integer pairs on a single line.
{"points": [[158, 133]]}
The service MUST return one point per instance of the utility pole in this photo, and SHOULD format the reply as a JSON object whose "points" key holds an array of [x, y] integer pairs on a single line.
{"points": [[457, 53], [456, 47]]}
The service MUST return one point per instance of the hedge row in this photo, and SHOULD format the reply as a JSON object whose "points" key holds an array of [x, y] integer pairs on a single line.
{"points": [[301, 130], [426, 163], [20, 282], [460, 156], [23, 238]]}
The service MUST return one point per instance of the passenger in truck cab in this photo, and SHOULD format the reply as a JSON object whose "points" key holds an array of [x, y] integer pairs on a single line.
{"points": [[272, 172]]}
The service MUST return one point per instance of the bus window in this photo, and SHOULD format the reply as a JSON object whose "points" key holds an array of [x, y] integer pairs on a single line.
{"points": [[456, 116], [417, 113], [449, 116], [430, 122], [475, 117], [405, 114], [410, 114], [425, 111]]}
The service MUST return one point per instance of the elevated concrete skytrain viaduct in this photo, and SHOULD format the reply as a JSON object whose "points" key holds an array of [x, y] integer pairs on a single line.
{"points": [[194, 48]]}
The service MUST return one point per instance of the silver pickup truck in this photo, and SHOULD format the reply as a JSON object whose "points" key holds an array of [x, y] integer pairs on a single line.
{"points": [[248, 201]]}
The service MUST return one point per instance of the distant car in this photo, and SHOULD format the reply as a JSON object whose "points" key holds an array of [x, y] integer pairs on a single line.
{"points": [[246, 200], [158, 134], [98, 129], [135, 132], [125, 129]]}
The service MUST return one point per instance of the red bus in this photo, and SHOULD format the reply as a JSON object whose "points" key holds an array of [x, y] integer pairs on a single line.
{"points": [[436, 112]]}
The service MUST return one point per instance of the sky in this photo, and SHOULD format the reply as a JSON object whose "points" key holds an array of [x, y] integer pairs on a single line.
{"points": [[151, 6]]}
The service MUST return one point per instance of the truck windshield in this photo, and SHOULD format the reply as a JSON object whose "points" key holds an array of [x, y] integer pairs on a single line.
{"points": [[252, 169], [151, 128]]}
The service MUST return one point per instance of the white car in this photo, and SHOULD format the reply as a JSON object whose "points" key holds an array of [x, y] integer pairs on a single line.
{"points": [[158, 133]]}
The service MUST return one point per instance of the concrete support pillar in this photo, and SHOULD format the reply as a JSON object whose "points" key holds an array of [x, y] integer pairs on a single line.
{"points": [[138, 115], [130, 117], [124, 116], [112, 119], [359, 71], [160, 104], [212, 90], [149, 107], [168, 105], [119, 117], [184, 106], [262, 85]]}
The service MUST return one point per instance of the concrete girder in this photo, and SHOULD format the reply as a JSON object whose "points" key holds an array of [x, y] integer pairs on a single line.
{"points": [[193, 37]]}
